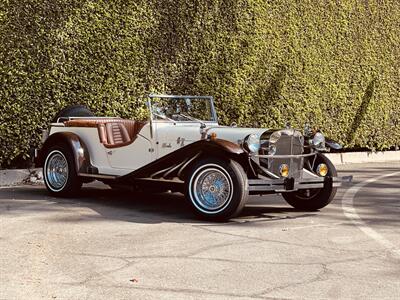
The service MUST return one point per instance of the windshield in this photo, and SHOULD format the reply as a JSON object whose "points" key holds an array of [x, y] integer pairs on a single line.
{"points": [[182, 108]]}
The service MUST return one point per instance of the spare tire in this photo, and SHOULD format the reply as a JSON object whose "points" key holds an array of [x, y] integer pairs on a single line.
{"points": [[73, 111]]}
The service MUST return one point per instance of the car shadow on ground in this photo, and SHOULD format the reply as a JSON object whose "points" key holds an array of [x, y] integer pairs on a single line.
{"points": [[137, 207]]}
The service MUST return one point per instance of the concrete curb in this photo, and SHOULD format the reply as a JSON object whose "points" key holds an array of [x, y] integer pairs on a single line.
{"points": [[363, 157], [20, 176], [12, 177], [15, 177]]}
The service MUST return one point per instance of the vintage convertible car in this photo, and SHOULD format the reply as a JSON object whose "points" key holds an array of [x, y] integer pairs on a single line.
{"points": [[182, 148]]}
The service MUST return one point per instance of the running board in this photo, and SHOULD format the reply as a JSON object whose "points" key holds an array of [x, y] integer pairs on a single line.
{"points": [[102, 176]]}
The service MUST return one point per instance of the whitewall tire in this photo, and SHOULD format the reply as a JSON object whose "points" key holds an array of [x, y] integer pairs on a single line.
{"points": [[217, 189], [59, 172]]}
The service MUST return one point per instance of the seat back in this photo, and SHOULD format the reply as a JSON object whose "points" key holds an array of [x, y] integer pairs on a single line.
{"points": [[117, 134], [113, 133]]}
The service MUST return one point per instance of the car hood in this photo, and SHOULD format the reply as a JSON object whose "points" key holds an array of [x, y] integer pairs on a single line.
{"points": [[235, 134]]}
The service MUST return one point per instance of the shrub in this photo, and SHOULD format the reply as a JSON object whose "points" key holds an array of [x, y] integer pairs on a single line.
{"points": [[334, 64]]}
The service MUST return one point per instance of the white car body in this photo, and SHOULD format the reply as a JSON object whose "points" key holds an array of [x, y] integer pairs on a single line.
{"points": [[172, 147], [166, 138]]}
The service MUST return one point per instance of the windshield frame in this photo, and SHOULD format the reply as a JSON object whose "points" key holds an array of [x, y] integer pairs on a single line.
{"points": [[163, 96]]}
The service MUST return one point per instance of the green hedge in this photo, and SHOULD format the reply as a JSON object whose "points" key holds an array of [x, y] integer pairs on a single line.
{"points": [[335, 64]]}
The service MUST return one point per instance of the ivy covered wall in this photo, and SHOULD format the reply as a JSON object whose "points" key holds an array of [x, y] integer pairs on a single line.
{"points": [[334, 64]]}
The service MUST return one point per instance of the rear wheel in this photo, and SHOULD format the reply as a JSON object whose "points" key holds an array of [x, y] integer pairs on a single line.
{"points": [[59, 172], [217, 189], [314, 199]]}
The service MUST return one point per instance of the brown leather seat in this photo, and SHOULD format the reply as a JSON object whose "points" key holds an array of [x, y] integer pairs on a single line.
{"points": [[117, 133], [113, 132]]}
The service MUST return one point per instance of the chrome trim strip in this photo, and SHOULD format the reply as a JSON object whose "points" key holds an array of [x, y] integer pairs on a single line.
{"points": [[285, 156], [178, 96], [174, 168], [97, 176], [79, 118], [277, 185], [187, 163], [265, 181]]}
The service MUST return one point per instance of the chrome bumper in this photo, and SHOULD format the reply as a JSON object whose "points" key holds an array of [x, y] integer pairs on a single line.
{"points": [[293, 184]]}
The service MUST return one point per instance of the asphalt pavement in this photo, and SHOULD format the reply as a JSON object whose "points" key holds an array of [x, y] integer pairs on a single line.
{"points": [[115, 245]]}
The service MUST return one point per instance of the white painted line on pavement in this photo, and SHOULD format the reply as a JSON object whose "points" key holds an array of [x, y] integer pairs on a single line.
{"points": [[350, 212]]}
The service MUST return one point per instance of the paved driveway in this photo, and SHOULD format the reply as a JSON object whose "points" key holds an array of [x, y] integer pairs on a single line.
{"points": [[109, 245]]}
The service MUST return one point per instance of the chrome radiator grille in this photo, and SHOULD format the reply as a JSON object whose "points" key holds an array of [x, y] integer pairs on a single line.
{"points": [[287, 142]]}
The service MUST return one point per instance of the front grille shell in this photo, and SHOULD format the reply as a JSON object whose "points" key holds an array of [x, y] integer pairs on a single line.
{"points": [[286, 142]]}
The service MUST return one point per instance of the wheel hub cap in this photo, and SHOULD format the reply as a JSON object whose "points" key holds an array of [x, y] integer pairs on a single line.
{"points": [[212, 189], [57, 171]]}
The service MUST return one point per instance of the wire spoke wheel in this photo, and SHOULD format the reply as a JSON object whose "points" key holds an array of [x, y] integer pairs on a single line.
{"points": [[217, 189], [212, 189], [56, 170]]}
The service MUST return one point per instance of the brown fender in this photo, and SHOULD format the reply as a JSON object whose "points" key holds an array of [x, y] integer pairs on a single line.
{"points": [[227, 146], [76, 146], [173, 164]]}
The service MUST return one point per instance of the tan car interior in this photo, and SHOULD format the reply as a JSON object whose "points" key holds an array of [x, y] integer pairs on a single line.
{"points": [[113, 132]]}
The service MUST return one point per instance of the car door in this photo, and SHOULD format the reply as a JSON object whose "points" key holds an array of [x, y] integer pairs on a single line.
{"points": [[171, 136], [132, 156], [135, 154]]}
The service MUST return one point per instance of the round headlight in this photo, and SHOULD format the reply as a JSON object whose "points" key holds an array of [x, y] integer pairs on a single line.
{"points": [[252, 143], [318, 140]]}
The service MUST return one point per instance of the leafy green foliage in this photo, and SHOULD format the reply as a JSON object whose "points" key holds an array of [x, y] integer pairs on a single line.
{"points": [[334, 64]]}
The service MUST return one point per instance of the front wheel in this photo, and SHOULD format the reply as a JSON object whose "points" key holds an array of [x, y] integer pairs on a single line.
{"points": [[217, 189], [314, 199], [59, 172]]}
